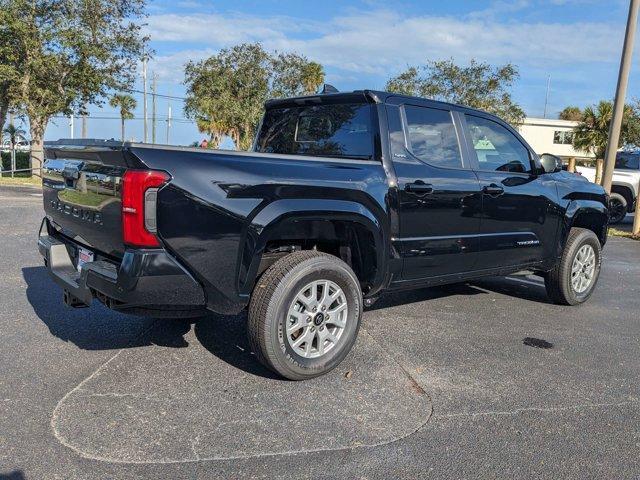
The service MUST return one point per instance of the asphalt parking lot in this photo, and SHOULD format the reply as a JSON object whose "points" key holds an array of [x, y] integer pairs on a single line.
{"points": [[439, 384]]}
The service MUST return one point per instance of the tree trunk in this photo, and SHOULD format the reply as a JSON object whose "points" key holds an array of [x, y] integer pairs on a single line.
{"points": [[599, 165], [122, 128], [37, 126], [572, 165], [13, 158], [635, 231], [4, 109]]}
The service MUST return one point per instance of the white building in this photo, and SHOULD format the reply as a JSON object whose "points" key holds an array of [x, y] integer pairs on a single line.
{"points": [[547, 135]]}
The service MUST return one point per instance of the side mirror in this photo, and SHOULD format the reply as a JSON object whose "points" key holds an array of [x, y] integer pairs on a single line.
{"points": [[551, 163]]}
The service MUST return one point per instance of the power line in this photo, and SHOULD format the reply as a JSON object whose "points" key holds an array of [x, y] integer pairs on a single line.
{"points": [[160, 95], [101, 117]]}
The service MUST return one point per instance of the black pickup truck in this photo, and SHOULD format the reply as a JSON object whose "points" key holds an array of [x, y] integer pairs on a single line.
{"points": [[342, 197]]}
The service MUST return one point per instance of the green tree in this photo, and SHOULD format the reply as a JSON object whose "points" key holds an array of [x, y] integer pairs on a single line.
{"points": [[13, 133], [592, 133], [295, 75], [226, 92], [476, 85], [10, 63], [72, 54], [571, 113], [126, 104]]}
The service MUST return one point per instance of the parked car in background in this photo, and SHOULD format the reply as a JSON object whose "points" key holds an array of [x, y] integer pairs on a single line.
{"points": [[624, 187], [343, 197]]}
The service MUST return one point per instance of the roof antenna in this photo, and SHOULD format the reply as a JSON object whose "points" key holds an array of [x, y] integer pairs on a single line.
{"points": [[329, 89]]}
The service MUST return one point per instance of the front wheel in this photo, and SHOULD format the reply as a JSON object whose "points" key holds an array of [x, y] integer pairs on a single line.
{"points": [[617, 208], [305, 314], [574, 278]]}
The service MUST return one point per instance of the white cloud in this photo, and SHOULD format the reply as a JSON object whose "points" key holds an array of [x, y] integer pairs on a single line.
{"points": [[382, 41], [170, 68]]}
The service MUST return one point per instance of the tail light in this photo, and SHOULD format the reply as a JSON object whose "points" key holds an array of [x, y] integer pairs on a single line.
{"points": [[139, 193]]}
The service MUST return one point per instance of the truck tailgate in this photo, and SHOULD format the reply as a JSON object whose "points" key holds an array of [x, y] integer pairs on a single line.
{"points": [[82, 194]]}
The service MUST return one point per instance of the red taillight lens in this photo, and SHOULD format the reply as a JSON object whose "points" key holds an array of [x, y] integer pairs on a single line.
{"points": [[135, 185]]}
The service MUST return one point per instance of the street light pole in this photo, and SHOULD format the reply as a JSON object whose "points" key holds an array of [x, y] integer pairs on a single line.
{"points": [[621, 93], [153, 107], [546, 97], [144, 98]]}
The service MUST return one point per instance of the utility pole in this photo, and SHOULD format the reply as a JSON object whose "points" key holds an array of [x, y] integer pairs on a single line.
{"points": [[154, 84], [546, 97], [144, 97], [621, 93], [168, 124]]}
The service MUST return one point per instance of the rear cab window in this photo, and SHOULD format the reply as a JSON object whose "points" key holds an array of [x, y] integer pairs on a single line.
{"points": [[332, 130], [431, 136]]}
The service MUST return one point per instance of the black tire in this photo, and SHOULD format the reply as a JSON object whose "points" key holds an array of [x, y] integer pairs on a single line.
{"points": [[558, 281], [617, 208], [272, 297]]}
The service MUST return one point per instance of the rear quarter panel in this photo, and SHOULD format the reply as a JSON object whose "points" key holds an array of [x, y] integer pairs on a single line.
{"points": [[220, 208]]}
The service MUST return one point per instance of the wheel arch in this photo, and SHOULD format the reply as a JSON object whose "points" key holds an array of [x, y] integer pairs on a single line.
{"points": [[588, 214], [626, 190], [346, 229]]}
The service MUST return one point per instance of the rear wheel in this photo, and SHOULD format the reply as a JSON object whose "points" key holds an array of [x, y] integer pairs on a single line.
{"points": [[574, 278], [617, 208], [304, 314]]}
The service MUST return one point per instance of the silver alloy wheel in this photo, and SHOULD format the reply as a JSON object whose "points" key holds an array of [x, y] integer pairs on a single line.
{"points": [[583, 268], [316, 318]]}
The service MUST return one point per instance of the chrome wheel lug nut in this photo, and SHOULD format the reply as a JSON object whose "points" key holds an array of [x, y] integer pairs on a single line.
{"points": [[324, 308]]}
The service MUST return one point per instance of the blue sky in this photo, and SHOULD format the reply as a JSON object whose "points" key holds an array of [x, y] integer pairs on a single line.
{"points": [[362, 43]]}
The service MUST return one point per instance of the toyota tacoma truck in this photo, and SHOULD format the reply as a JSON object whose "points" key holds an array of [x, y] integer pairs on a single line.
{"points": [[343, 196], [624, 185]]}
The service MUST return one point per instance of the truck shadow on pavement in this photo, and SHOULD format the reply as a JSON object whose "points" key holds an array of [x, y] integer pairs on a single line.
{"points": [[225, 336], [526, 288], [15, 475], [98, 328]]}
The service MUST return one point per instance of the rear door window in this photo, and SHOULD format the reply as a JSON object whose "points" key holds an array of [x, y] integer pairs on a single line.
{"points": [[432, 136], [338, 130]]}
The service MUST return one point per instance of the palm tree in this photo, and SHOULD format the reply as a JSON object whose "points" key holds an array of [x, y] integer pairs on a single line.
{"points": [[592, 133], [14, 133], [312, 77], [126, 104]]}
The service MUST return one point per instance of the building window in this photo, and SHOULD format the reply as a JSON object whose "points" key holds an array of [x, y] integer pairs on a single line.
{"points": [[563, 137]]}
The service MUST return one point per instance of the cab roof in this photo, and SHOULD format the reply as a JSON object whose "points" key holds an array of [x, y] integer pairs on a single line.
{"points": [[357, 96]]}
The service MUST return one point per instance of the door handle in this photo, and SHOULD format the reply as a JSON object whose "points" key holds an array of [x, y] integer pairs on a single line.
{"points": [[493, 190], [419, 187]]}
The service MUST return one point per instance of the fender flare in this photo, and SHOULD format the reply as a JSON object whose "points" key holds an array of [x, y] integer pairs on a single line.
{"points": [[277, 215], [577, 208], [632, 189]]}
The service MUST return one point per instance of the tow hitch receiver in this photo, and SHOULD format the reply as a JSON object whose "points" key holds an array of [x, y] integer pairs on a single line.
{"points": [[72, 301]]}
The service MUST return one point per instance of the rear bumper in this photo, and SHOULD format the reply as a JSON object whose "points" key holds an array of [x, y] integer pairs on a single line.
{"points": [[145, 280]]}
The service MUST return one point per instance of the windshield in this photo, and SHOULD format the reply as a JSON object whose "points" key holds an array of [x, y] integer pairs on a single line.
{"points": [[341, 130]]}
